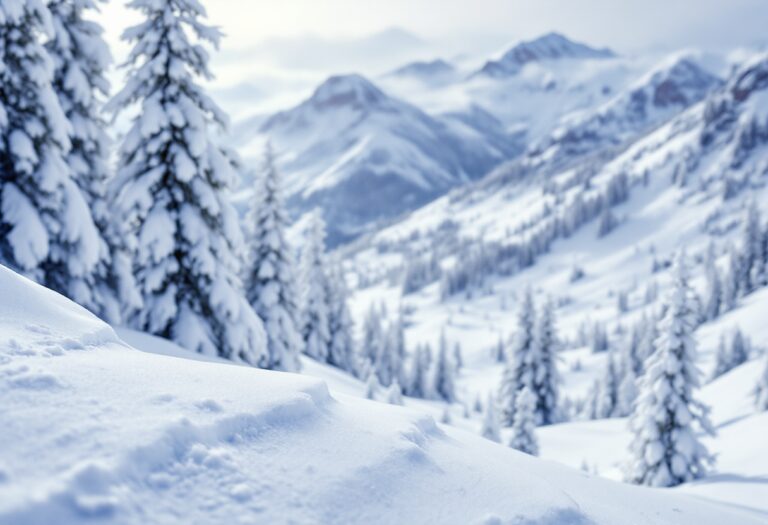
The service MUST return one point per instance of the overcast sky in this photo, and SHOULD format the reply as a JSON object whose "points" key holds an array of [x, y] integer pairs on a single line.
{"points": [[299, 41]]}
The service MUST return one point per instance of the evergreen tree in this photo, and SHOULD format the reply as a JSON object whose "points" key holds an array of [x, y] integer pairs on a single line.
{"points": [[751, 266], [81, 58], [519, 368], [665, 450], [316, 328], [46, 229], [373, 335], [269, 277], [731, 355], [546, 379], [761, 390], [418, 382], [524, 423], [372, 386], [394, 394], [627, 393], [731, 282], [391, 357], [458, 359], [172, 190], [608, 400], [491, 429], [342, 352], [714, 292], [648, 343], [499, 352], [442, 373], [600, 341]]}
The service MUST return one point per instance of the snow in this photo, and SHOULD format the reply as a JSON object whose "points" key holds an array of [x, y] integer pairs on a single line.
{"points": [[123, 436]]}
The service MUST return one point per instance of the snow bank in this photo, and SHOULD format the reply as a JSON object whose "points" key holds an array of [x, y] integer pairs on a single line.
{"points": [[98, 431]]}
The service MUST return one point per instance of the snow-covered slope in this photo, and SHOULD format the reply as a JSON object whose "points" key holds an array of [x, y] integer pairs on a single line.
{"points": [[363, 156], [669, 88], [122, 436], [552, 46]]}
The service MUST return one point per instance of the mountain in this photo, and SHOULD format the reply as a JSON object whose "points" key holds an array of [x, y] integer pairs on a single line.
{"points": [[552, 46], [364, 156], [434, 72], [672, 86]]}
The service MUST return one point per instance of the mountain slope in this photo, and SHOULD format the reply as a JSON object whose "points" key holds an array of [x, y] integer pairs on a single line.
{"points": [[363, 156], [184, 441]]}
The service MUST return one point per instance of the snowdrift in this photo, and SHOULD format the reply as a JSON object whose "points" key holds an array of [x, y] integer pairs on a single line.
{"points": [[97, 431]]}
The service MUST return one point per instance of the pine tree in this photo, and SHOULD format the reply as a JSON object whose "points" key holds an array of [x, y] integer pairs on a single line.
{"points": [[499, 352], [81, 58], [600, 341], [373, 335], [665, 450], [342, 353], [761, 390], [608, 400], [524, 423], [391, 356], [627, 393], [394, 394], [46, 229], [172, 190], [546, 379], [648, 343], [714, 297], [442, 373], [269, 277], [316, 329], [518, 370], [372, 386], [491, 429], [751, 251], [731, 282], [418, 381], [731, 355], [458, 359]]}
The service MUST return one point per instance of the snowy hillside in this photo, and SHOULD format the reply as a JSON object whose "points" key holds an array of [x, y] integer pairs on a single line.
{"points": [[363, 156], [122, 436]]}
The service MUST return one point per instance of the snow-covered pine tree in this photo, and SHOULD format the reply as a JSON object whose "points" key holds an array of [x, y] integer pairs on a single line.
{"points": [[608, 399], [599, 341], [395, 394], [524, 423], [269, 273], [722, 359], [81, 57], [761, 390], [372, 386], [499, 353], [417, 384], [647, 345], [751, 251], [373, 335], [315, 326], [458, 358], [391, 359], [172, 189], [545, 378], [627, 393], [442, 373], [665, 450], [518, 370], [714, 291], [731, 285], [46, 229], [342, 352], [491, 428]]}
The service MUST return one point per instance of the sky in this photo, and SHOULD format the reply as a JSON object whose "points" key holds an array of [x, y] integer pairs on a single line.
{"points": [[285, 45]]}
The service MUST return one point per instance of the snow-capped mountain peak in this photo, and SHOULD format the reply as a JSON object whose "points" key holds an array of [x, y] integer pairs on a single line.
{"points": [[347, 90], [552, 46]]}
